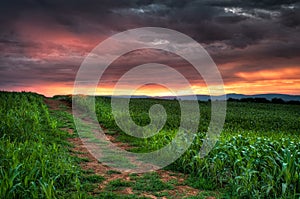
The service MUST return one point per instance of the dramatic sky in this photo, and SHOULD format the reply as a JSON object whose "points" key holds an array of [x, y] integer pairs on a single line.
{"points": [[255, 43]]}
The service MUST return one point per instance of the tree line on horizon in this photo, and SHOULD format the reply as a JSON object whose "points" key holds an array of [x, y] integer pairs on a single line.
{"points": [[263, 100]]}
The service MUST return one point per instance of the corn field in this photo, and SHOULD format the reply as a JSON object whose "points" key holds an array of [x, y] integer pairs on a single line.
{"points": [[34, 163], [257, 155]]}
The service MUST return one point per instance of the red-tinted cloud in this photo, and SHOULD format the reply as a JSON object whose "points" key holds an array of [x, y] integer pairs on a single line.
{"points": [[255, 45]]}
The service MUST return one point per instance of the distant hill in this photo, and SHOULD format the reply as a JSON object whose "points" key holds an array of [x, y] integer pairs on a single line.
{"points": [[266, 96], [237, 96], [129, 96], [284, 97]]}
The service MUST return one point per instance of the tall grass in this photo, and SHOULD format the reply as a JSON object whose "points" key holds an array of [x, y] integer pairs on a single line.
{"points": [[33, 161]]}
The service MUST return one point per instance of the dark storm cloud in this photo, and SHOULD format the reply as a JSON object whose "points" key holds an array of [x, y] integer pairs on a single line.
{"points": [[291, 17], [207, 21], [251, 3], [248, 32]]}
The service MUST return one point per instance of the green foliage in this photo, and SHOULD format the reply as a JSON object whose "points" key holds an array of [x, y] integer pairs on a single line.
{"points": [[109, 195], [33, 160], [110, 172], [117, 184], [257, 155], [94, 178], [151, 182], [251, 166]]}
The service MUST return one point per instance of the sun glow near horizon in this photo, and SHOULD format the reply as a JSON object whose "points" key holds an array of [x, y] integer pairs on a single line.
{"points": [[291, 87]]}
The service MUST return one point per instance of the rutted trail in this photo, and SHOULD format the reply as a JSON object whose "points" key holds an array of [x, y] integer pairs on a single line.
{"points": [[128, 184]]}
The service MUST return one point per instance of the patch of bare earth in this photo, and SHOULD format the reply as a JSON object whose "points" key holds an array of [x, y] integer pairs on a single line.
{"points": [[56, 104], [180, 189]]}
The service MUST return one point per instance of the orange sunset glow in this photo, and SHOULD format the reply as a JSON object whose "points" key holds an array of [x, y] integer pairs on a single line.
{"points": [[256, 87]]}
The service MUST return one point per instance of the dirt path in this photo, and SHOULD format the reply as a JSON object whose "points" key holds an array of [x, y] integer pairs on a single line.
{"points": [[176, 180]]}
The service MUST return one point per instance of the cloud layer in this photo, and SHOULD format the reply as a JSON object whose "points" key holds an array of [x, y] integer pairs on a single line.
{"points": [[255, 43]]}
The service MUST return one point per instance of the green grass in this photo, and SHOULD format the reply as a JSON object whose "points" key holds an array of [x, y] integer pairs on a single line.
{"points": [[204, 195], [148, 182], [151, 182], [109, 195], [110, 172], [117, 184], [94, 178], [34, 159], [256, 156]]}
